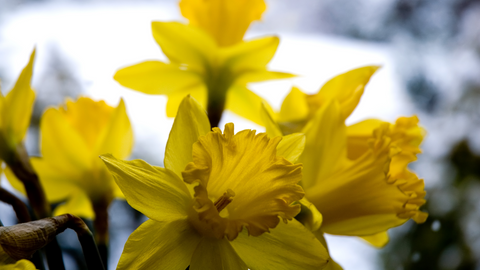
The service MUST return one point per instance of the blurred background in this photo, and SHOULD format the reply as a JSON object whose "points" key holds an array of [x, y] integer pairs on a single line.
{"points": [[430, 56]]}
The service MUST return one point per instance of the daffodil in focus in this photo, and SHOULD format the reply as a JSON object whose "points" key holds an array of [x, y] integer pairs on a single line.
{"points": [[15, 112], [208, 59], [357, 177], [223, 201], [72, 138]]}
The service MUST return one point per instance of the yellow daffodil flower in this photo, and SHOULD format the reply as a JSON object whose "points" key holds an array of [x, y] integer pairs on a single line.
{"points": [[205, 62], [72, 138], [219, 202], [355, 176], [15, 112]]}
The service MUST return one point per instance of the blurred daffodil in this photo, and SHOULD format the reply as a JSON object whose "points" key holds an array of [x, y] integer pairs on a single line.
{"points": [[219, 201], [355, 176], [15, 112], [208, 59], [72, 138]]}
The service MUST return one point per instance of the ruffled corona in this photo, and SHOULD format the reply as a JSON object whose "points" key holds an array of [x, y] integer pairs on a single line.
{"points": [[380, 191], [241, 182]]}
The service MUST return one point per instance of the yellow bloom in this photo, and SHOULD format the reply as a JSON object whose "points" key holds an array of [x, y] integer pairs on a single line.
{"points": [[200, 64], [72, 138], [356, 176], [218, 202], [15, 112]]}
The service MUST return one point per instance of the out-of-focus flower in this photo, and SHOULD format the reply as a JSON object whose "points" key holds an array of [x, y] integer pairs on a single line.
{"points": [[15, 265], [15, 112], [205, 62], [72, 138], [218, 202], [356, 176]]}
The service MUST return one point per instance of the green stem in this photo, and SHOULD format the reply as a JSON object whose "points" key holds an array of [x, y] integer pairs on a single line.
{"points": [[18, 206], [100, 225], [215, 108], [23, 170]]}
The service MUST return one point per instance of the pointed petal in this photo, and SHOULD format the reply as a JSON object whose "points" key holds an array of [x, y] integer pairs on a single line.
{"points": [[294, 107], [272, 129], [288, 246], [245, 103], [250, 55], [156, 78], [160, 245], [184, 44], [378, 240], [20, 104], [156, 192], [212, 253], [261, 76], [191, 122], [347, 88], [325, 145], [226, 21], [199, 93], [117, 137], [78, 204], [291, 146]]}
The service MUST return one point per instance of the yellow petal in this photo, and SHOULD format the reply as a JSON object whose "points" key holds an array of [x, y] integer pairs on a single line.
{"points": [[185, 45], [272, 129], [191, 123], [247, 165], [294, 107], [19, 105], [216, 254], [78, 204], [325, 145], [378, 240], [226, 21], [62, 145], [156, 78], [174, 99], [288, 246], [117, 137], [291, 147], [260, 76], [156, 192], [19, 265], [250, 55], [347, 88], [245, 103], [160, 245]]}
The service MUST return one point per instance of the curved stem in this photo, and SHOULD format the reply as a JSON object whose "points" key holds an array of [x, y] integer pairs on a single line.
{"points": [[18, 206]]}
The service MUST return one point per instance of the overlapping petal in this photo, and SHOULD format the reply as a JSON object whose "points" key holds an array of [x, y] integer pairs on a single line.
{"points": [[288, 246], [245, 103], [156, 192], [191, 123], [157, 78], [168, 244], [18, 106], [214, 253]]}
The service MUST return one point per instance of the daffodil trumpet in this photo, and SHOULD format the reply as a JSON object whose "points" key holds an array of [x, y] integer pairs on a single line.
{"points": [[223, 201], [365, 164]]}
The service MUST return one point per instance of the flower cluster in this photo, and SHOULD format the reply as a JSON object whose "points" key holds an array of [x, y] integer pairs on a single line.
{"points": [[223, 200]]}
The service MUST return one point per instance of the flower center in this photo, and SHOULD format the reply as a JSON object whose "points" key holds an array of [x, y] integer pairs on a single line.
{"points": [[265, 184], [224, 200]]}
